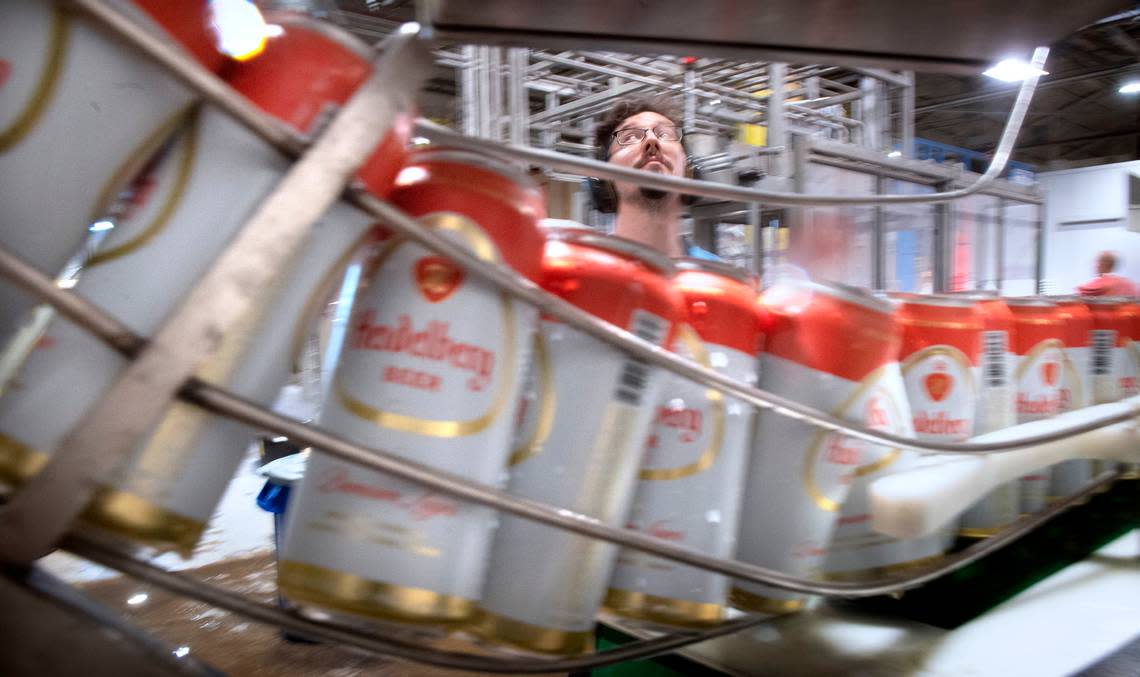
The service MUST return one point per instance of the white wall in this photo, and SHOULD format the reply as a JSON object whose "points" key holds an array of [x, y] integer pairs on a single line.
{"points": [[1086, 212]]}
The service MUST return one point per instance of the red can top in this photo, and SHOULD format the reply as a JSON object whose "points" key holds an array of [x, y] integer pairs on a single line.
{"points": [[995, 315], [1131, 311], [1108, 313], [305, 71], [611, 277], [941, 320], [188, 22], [721, 304], [1034, 320], [828, 327], [379, 171], [500, 200], [1078, 321]]}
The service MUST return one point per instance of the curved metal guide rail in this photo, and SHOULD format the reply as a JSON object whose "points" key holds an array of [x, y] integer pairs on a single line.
{"points": [[216, 400], [98, 550], [224, 403]]}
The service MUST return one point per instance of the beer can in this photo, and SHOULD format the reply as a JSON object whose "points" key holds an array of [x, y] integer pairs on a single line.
{"points": [[692, 475], [544, 586], [1069, 477], [431, 368], [941, 351], [834, 348], [1039, 341], [1108, 354], [1132, 385], [192, 204], [80, 114], [940, 354], [997, 409], [1130, 373]]}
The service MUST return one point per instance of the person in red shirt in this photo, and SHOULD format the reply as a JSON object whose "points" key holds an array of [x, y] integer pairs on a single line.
{"points": [[1105, 283]]}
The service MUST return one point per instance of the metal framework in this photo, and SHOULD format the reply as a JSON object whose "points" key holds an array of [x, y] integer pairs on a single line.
{"points": [[38, 518]]}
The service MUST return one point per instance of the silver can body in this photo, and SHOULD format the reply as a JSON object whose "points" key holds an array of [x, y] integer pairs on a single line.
{"points": [[688, 492], [80, 114], [431, 368], [545, 585]]}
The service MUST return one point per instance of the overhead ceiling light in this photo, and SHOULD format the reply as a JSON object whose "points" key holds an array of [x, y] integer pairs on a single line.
{"points": [[240, 28], [1130, 87], [1013, 70]]}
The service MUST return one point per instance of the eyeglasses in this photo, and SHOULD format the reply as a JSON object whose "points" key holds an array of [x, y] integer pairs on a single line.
{"points": [[632, 135]]}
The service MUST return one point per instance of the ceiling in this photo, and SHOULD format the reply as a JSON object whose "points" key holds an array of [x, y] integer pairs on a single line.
{"points": [[1077, 117]]}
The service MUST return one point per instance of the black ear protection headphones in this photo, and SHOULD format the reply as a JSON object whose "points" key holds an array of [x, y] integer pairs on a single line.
{"points": [[604, 195]]}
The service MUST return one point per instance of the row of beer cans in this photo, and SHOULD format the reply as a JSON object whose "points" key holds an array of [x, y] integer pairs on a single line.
{"points": [[440, 367], [90, 131], [432, 356]]}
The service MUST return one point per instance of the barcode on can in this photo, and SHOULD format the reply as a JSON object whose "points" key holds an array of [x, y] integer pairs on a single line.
{"points": [[994, 363], [635, 373], [1103, 341]]}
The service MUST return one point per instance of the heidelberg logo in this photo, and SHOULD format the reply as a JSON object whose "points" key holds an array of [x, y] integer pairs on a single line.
{"points": [[938, 385], [437, 278]]}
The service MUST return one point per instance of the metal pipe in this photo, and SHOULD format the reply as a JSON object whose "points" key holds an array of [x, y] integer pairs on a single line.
{"points": [[469, 91], [907, 111], [777, 122], [495, 93], [878, 239], [690, 96], [216, 92], [518, 100], [999, 276], [943, 219], [522, 288], [625, 63], [709, 189], [1039, 251], [882, 75], [604, 97]]}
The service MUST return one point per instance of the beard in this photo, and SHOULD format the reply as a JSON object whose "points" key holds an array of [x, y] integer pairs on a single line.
{"points": [[652, 200]]}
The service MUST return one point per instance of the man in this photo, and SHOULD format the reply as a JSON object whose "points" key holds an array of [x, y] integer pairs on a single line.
{"points": [[1105, 283], [645, 133]]}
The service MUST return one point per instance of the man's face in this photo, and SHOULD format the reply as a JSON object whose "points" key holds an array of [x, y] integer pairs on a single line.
{"points": [[650, 154]]}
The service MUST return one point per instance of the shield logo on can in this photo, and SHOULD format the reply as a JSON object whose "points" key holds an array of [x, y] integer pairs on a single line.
{"points": [[437, 278], [1049, 373], [938, 385]]}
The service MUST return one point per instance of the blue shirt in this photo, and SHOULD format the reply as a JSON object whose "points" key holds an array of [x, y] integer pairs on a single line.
{"points": [[697, 253]]}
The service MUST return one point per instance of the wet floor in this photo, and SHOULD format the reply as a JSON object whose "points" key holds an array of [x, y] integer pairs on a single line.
{"points": [[237, 554]]}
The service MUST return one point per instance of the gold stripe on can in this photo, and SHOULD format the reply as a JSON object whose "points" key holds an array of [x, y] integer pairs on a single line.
{"points": [[142, 521], [750, 601], [979, 532], [45, 87], [18, 461], [111, 510], [531, 637], [873, 573], [340, 591], [679, 612]]}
